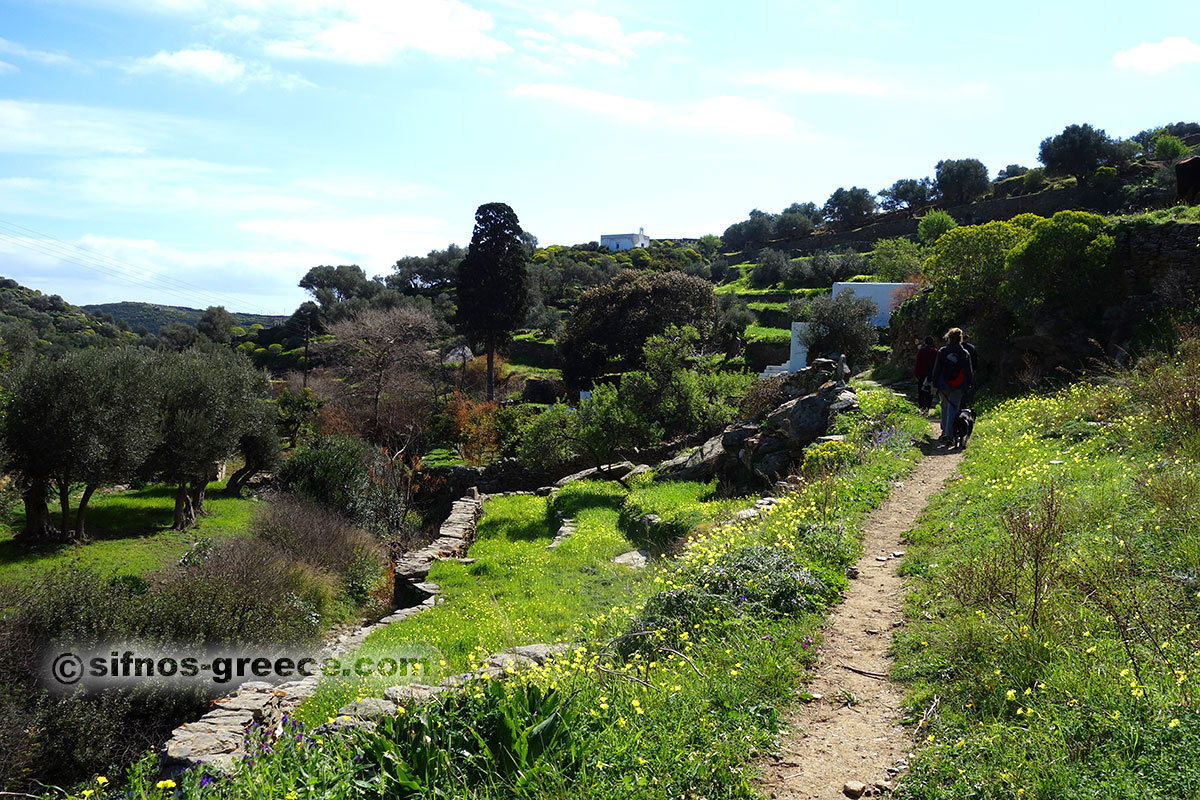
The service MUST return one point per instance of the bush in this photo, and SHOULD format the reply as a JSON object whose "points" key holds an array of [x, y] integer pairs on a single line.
{"points": [[351, 478], [895, 260], [841, 325], [769, 270], [1035, 180], [325, 541], [933, 225], [764, 396]]}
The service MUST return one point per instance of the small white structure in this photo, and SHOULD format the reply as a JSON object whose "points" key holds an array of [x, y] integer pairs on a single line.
{"points": [[625, 241], [797, 357], [886, 295]]}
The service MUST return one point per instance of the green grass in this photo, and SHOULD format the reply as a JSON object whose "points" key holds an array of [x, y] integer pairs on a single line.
{"points": [[1179, 213], [130, 533], [757, 333], [657, 723], [446, 456], [529, 368], [517, 592], [1086, 688]]}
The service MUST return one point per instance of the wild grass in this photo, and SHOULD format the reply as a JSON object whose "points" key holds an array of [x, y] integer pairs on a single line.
{"points": [[1054, 634], [130, 534], [723, 635]]}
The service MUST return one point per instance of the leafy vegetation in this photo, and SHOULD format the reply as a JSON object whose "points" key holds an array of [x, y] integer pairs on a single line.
{"points": [[1055, 649]]}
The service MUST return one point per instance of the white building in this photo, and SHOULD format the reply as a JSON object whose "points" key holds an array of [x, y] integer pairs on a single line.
{"points": [[886, 295], [625, 241]]}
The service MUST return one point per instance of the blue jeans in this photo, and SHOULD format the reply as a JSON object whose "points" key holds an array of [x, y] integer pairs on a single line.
{"points": [[951, 402]]}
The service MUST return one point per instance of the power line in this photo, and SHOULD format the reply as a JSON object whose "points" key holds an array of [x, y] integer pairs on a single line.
{"points": [[109, 266]]}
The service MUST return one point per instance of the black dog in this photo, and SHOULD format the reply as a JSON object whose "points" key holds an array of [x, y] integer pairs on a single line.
{"points": [[964, 424]]}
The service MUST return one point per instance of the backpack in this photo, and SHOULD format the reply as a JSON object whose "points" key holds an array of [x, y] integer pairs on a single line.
{"points": [[953, 374]]}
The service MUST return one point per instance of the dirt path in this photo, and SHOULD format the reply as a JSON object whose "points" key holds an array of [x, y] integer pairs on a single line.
{"points": [[852, 732]]}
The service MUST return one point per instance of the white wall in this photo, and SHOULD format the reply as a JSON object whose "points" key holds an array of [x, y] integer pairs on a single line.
{"points": [[884, 295]]}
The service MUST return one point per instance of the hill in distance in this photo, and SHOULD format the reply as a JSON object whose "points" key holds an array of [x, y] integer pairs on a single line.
{"points": [[153, 316]]}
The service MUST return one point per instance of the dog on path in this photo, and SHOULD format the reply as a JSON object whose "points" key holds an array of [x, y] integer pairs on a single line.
{"points": [[964, 425]]}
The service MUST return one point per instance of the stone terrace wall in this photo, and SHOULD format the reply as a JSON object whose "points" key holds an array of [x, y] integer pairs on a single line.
{"points": [[216, 738]]}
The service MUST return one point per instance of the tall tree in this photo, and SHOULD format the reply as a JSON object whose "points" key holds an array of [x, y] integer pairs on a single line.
{"points": [[852, 207], [493, 281], [1077, 151], [961, 180]]}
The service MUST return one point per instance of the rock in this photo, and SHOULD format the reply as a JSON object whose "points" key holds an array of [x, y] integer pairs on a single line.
{"points": [[640, 469], [508, 660], [411, 694], [773, 466], [609, 472], [699, 465], [370, 708], [539, 653], [634, 559], [746, 513], [854, 789], [544, 491], [836, 437]]}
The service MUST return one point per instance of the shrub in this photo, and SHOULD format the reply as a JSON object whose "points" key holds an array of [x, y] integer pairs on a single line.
{"points": [[841, 325], [1035, 180], [933, 225], [769, 270], [896, 259], [351, 478], [325, 541], [763, 397], [1168, 148]]}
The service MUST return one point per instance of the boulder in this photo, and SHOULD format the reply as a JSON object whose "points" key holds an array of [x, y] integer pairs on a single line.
{"points": [[370, 708], [609, 472], [412, 694], [634, 559]]}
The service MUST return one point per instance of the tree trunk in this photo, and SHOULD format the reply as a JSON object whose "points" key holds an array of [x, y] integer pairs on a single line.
{"points": [[491, 376], [185, 517], [81, 510], [64, 505], [37, 516], [196, 496], [239, 479]]}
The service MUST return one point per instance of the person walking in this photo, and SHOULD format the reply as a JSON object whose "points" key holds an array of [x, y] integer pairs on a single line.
{"points": [[974, 354], [953, 378], [923, 372]]}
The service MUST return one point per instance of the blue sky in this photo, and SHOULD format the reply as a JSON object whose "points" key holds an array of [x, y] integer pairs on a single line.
{"points": [[201, 152]]}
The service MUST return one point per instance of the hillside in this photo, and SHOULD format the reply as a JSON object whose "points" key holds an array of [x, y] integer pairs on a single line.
{"points": [[34, 322], [153, 316]]}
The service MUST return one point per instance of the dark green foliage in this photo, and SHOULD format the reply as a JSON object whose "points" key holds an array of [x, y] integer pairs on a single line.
{"points": [[613, 321], [297, 413], [349, 477], [961, 181], [216, 324], [841, 325], [178, 336], [768, 580], [763, 397], [259, 445], [153, 316], [207, 402], [1011, 171], [429, 275], [89, 417], [1077, 151], [733, 315], [1034, 180], [907, 193], [753, 232], [850, 207], [769, 270], [791, 225], [493, 281]]}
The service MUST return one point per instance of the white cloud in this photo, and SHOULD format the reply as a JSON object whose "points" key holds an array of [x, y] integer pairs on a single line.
{"points": [[52, 129], [796, 79], [374, 241], [606, 40], [6, 68], [368, 32], [203, 63], [54, 59], [101, 269], [724, 114], [1172, 51]]}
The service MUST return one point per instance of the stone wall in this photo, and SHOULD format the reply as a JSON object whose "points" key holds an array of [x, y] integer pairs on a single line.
{"points": [[216, 738]]}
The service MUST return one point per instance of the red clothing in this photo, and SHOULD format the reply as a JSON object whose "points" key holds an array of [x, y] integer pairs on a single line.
{"points": [[923, 366]]}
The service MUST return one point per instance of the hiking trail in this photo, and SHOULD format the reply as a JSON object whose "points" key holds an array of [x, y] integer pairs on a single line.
{"points": [[847, 741]]}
